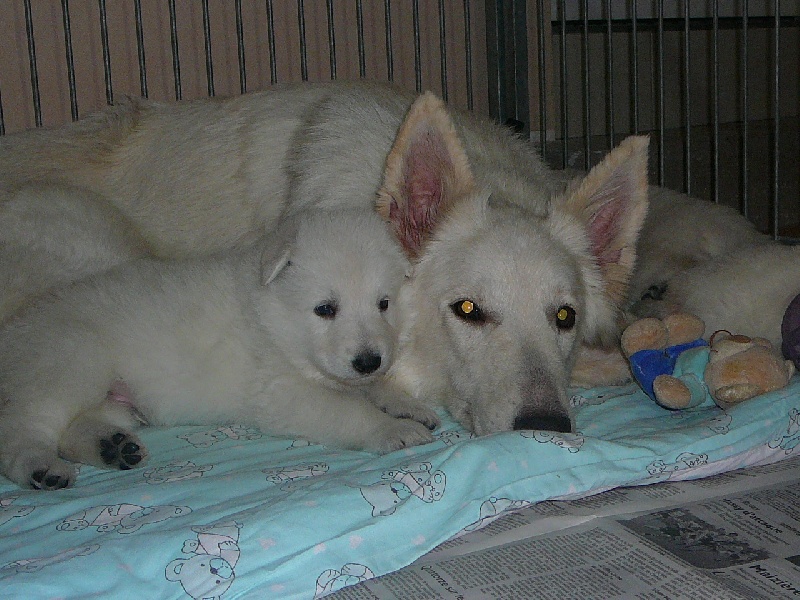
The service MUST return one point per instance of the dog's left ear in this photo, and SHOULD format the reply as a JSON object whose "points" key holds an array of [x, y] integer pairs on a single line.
{"points": [[611, 202], [426, 172], [278, 250]]}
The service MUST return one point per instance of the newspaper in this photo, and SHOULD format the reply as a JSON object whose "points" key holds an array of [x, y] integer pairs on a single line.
{"points": [[734, 535]]}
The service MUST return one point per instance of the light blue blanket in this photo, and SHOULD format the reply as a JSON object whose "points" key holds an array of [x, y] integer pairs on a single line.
{"points": [[229, 513]]}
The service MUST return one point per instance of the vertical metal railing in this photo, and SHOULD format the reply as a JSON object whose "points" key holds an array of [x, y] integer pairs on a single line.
{"points": [[240, 47], [301, 18], [571, 32], [331, 38], [362, 55], [468, 54], [715, 103], [37, 101], [541, 63], [176, 59], [273, 60], [563, 96], [687, 102], [140, 53], [207, 48], [776, 124], [507, 52], [73, 94], [635, 66], [744, 206], [442, 50], [417, 48], [587, 107], [387, 19], [610, 112], [106, 52]]}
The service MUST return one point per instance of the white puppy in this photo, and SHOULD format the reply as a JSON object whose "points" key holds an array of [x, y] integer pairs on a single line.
{"points": [[282, 336]]}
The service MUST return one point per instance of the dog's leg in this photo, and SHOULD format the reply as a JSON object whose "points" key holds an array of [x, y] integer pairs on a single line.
{"points": [[338, 418], [29, 448], [101, 436], [395, 402]]}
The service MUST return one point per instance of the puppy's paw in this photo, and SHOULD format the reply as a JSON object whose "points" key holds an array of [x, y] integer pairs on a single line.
{"points": [[402, 406], [56, 476], [416, 412], [122, 450], [399, 433]]}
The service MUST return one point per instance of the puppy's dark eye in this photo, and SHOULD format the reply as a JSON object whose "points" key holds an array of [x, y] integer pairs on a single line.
{"points": [[326, 311], [565, 317], [383, 305], [468, 311]]}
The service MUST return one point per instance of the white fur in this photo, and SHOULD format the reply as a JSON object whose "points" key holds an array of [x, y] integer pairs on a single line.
{"points": [[487, 220], [232, 339], [709, 260]]}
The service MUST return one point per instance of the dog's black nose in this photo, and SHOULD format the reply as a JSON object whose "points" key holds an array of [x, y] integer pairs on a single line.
{"points": [[543, 422], [367, 362]]}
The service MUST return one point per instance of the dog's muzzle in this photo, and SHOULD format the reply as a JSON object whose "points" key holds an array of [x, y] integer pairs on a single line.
{"points": [[549, 421]]}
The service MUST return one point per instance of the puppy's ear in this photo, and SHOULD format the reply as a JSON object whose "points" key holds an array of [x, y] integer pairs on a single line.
{"points": [[278, 250], [611, 203], [426, 172]]}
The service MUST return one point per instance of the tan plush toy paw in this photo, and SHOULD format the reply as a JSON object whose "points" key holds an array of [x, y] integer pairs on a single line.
{"points": [[740, 368], [654, 348], [654, 334], [677, 369]]}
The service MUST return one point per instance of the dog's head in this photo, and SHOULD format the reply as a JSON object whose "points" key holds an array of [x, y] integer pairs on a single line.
{"points": [[501, 298], [333, 281]]}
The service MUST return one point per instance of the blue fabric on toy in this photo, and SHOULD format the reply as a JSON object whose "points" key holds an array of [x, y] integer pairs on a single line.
{"points": [[646, 365]]}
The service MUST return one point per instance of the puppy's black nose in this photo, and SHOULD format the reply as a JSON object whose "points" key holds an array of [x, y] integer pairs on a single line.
{"points": [[543, 422], [367, 362]]}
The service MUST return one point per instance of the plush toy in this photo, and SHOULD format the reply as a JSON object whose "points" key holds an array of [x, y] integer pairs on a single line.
{"points": [[790, 332], [678, 369]]}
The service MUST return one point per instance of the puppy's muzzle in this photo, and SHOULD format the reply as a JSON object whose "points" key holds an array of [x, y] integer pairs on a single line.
{"points": [[367, 362]]}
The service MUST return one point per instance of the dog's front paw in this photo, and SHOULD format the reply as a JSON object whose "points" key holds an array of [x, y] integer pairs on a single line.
{"points": [[402, 406], [399, 433], [56, 476], [122, 450], [420, 413]]}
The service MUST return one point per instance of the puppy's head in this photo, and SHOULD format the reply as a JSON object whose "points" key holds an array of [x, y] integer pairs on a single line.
{"points": [[333, 279], [501, 298]]}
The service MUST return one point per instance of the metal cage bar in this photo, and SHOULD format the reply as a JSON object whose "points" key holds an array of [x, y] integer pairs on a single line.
{"points": [[207, 48], [687, 100], [609, 42], [73, 93], [176, 59], [594, 97], [106, 52], [331, 38], [240, 47], [776, 124], [137, 8], [37, 101]]}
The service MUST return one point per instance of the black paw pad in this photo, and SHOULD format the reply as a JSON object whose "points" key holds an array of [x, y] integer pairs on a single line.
{"points": [[40, 480], [120, 451]]}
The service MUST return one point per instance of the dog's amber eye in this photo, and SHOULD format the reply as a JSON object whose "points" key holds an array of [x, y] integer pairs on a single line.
{"points": [[326, 311], [468, 310], [383, 305], [565, 317]]}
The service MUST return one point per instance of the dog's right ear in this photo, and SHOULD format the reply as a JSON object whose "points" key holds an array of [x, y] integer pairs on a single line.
{"points": [[426, 171], [276, 254]]}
